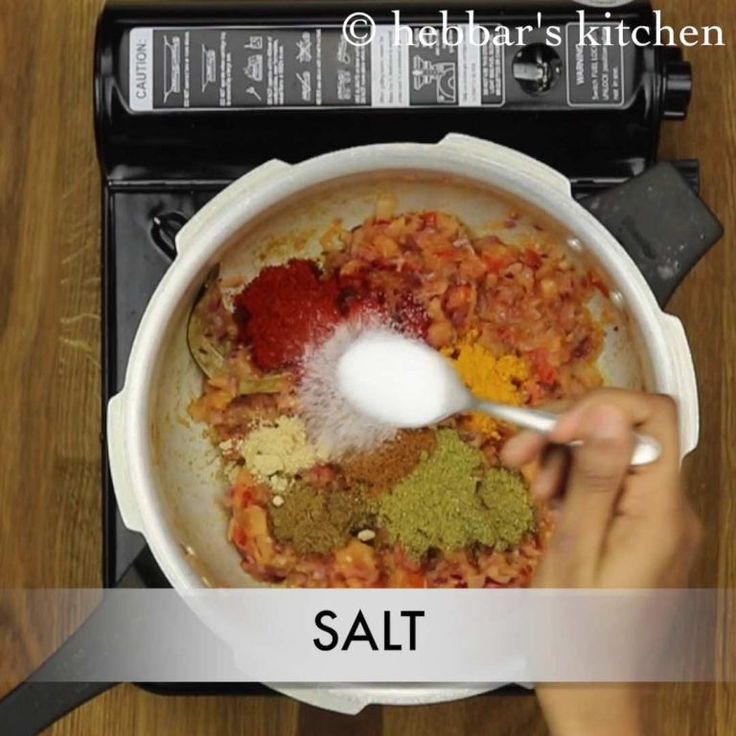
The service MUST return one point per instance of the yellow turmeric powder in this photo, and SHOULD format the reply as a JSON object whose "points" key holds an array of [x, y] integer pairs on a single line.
{"points": [[488, 377]]}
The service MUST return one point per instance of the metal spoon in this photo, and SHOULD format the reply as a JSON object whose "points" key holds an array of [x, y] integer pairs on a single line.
{"points": [[646, 449], [405, 384]]}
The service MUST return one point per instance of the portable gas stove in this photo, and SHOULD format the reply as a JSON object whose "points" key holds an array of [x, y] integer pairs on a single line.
{"points": [[190, 96]]}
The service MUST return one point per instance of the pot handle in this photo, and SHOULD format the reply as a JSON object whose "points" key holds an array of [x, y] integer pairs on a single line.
{"points": [[117, 457], [686, 384], [662, 224], [34, 706], [508, 158], [214, 213]]}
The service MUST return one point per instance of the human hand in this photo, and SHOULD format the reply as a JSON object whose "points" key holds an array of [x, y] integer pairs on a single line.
{"points": [[616, 527]]}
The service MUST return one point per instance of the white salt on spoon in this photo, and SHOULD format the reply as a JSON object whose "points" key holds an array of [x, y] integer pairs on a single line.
{"points": [[402, 383], [398, 381], [332, 422]]}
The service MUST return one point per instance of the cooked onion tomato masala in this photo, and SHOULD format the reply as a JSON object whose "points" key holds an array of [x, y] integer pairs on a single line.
{"points": [[430, 507]]}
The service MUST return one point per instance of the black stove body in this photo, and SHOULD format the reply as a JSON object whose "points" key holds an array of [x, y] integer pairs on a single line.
{"points": [[189, 96]]}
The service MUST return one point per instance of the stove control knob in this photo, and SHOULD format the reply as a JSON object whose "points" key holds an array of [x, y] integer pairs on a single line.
{"points": [[678, 86]]}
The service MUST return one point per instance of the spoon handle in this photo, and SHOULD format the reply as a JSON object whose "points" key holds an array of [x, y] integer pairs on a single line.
{"points": [[646, 449]]}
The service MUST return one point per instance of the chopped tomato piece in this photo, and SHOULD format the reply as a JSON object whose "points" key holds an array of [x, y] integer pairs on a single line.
{"points": [[532, 258]]}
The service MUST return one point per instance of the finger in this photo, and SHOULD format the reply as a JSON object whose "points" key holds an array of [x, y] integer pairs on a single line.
{"points": [[528, 445], [551, 476], [653, 414], [653, 489], [523, 448], [595, 481]]}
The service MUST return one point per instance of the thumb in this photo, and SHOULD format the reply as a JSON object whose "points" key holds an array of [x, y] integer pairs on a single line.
{"points": [[596, 478]]}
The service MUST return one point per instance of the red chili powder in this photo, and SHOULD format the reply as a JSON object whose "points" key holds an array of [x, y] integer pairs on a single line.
{"points": [[285, 309], [356, 297], [411, 316]]}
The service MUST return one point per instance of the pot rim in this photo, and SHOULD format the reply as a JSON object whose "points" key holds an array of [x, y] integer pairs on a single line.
{"points": [[213, 235]]}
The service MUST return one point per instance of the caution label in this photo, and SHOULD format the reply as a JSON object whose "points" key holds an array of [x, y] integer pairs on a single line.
{"points": [[303, 66]]}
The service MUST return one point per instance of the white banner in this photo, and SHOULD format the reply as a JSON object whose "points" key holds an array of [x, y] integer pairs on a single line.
{"points": [[398, 636]]}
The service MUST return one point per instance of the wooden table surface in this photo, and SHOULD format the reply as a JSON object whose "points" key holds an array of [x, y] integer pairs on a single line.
{"points": [[50, 512]]}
